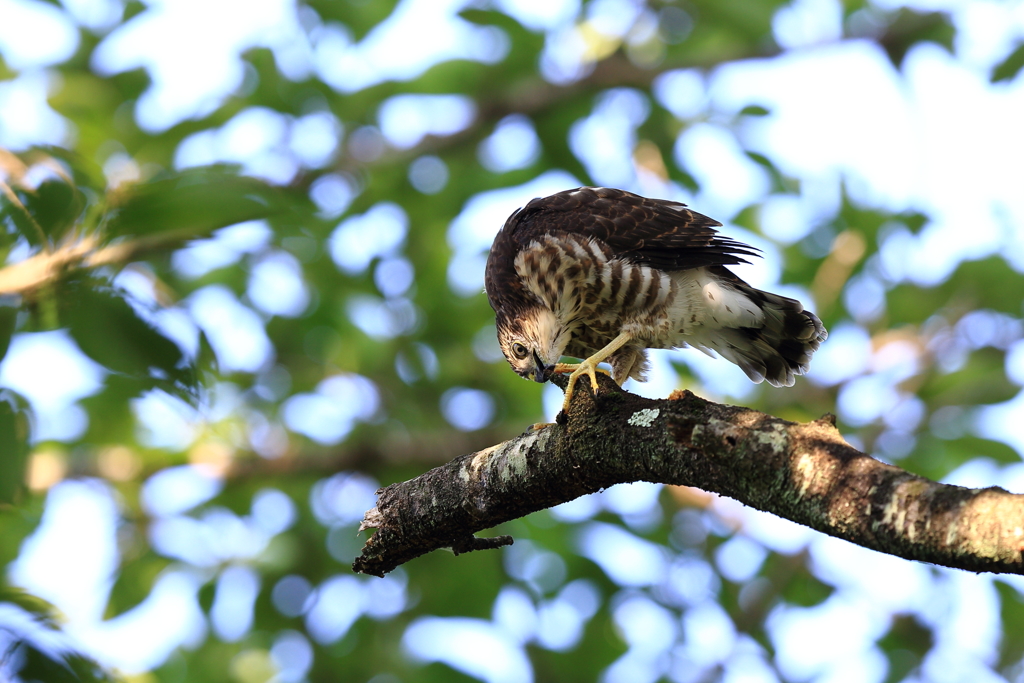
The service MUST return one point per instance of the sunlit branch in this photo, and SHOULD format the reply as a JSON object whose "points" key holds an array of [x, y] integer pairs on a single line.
{"points": [[46, 267], [803, 472]]}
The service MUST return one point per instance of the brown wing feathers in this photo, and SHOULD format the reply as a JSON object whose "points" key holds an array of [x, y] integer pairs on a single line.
{"points": [[654, 232]]}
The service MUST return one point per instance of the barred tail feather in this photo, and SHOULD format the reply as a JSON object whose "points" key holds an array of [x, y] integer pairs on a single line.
{"points": [[776, 351]]}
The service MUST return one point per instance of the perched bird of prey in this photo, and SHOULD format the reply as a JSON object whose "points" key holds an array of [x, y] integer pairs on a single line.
{"points": [[602, 275]]}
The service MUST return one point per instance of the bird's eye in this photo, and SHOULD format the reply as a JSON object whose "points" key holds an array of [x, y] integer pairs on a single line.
{"points": [[519, 350]]}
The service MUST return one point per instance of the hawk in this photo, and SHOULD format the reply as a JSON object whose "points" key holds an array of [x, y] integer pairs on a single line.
{"points": [[603, 275]]}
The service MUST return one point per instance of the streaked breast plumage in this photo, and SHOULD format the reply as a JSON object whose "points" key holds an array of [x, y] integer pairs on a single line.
{"points": [[570, 273]]}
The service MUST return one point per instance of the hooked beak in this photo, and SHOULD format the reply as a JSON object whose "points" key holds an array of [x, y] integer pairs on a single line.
{"points": [[541, 372]]}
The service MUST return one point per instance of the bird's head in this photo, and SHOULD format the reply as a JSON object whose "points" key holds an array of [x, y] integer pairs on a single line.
{"points": [[532, 340]]}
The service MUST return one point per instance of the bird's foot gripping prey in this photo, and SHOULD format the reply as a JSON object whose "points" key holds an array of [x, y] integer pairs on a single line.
{"points": [[589, 367], [603, 275]]}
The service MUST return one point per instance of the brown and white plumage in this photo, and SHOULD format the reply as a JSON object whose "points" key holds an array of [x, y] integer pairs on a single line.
{"points": [[603, 274]]}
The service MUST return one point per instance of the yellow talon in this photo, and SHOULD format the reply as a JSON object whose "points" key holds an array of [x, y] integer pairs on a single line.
{"points": [[589, 366], [576, 369], [563, 368], [590, 369]]}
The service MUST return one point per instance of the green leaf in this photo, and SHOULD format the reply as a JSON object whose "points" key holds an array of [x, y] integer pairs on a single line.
{"points": [[15, 214], [755, 110], [358, 17], [42, 654], [968, 447], [110, 331], [802, 588], [1008, 69], [1012, 611], [982, 380], [780, 183], [45, 211], [55, 205], [905, 645], [196, 202], [8, 321], [84, 172], [484, 17], [935, 458], [14, 447], [907, 28], [986, 283], [113, 402], [42, 610], [41, 665], [134, 583], [6, 74]]}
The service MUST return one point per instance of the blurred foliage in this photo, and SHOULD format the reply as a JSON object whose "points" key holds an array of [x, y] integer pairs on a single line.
{"points": [[117, 190], [1009, 67], [32, 648]]}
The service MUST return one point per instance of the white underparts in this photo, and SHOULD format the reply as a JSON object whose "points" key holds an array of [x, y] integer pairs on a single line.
{"points": [[704, 301], [665, 306], [594, 296]]}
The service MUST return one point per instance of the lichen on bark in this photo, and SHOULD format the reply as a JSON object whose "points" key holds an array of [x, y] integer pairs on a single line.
{"points": [[804, 472]]}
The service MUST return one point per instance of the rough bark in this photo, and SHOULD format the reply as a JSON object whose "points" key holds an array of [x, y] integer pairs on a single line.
{"points": [[804, 472]]}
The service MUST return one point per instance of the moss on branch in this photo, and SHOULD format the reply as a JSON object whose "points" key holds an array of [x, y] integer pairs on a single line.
{"points": [[804, 472]]}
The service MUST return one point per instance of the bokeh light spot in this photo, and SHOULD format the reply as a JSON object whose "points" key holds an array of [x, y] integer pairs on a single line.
{"points": [[467, 409]]}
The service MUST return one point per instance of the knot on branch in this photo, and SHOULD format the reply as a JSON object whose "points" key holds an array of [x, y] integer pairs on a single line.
{"points": [[467, 544], [804, 472]]}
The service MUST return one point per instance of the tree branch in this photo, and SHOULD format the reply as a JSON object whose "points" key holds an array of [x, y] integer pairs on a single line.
{"points": [[803, 472], [48, 266]]}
